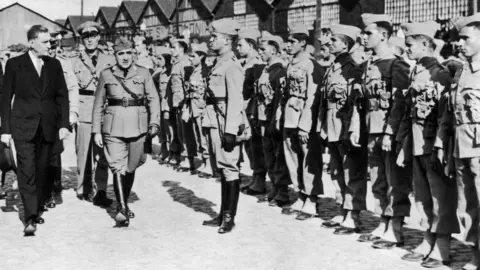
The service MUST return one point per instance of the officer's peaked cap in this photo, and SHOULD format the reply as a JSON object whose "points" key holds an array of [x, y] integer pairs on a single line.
{"points": [[89, 26]]}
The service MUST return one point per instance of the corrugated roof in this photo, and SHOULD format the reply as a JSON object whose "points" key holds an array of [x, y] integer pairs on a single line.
{"points": [[134, 8], [109, 14], [76, 20]]}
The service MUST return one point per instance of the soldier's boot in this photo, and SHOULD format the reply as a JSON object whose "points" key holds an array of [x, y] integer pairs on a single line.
{"points": [[440, 254], [217, 221], [121, 217], [232, 192], [378, 233], [191, 165], [393, 237], [128, 181]]}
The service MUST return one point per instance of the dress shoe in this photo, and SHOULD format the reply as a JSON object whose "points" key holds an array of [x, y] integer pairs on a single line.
{"points": [[433, 263], [251, 192], [382, 244], [304, 216], [330, 224], [30, 228], [122, 217], [346, 231], [215, 222], [39, 220], [413, 257], [101, 199], [368, 238], [51, 203]]}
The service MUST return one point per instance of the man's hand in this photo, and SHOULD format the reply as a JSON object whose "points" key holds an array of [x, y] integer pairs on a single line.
{"points": [[73, 118], [166, 115], [98, 140], [303, 136], [354, 139], [387, 143], [152, 131], [6, 139], [440, 155], [229, 142], [63, 133]]}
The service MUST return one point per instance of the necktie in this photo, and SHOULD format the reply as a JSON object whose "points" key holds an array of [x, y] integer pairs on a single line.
{"points": [[94, 60], [39, 66]]}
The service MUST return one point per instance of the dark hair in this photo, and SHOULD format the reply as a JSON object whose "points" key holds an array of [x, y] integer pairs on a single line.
{"points": [[274, 44], [35, 30], [252, 43], [346, 39], [326, 31], [300, 37], [386, 26], [430, 42]]}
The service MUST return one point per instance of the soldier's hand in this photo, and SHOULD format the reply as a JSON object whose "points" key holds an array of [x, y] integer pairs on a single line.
{"points": [[354, 139], [98, 140], [387, 143], [73, 118], [229, 142], [153, 131], [166, 115], [303, 136], [6, 139], [63, 133]]}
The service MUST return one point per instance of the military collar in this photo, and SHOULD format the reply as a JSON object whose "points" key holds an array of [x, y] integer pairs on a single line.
{"points": [[376, 58], [132, 71], [226, 56], [301, 57]]}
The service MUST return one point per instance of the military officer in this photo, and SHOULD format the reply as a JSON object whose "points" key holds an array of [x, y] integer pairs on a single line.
{"points": [[250, 60], [269, 94], [130, 95], [225, 118], [348, 171], [384, 79], [434, 192], [143, 58], [301, 146], [461, 128], [175, 101], [91, 161]]}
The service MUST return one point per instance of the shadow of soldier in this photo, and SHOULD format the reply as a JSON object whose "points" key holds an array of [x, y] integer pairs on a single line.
{"points": [[188, 198]]}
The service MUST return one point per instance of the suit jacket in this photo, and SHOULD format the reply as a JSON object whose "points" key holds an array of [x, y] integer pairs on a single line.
{"points": [[39, 100]]}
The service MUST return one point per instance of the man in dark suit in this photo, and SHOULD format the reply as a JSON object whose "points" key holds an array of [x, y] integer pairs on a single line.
{"points": [[36, 118]]}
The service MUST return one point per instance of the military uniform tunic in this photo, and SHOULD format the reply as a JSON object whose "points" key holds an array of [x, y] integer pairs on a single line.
{"points": [[124, 128], [160, 79], [225, 81], [87, 152]]}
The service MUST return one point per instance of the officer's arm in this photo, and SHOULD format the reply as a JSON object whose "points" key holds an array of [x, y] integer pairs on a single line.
{"points": [[305, 123], [8, 90], [400, 82], [98, 104], [234, 81], [153, 101], [72, 86], [61, 97]]}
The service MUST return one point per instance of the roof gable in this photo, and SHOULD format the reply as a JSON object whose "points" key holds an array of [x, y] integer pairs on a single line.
{"points": [[34, 12], [210, 5], [108, 14], [133, 10], [167, 7]]}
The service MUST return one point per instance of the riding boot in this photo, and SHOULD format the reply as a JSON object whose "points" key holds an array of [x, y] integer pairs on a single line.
{"points": [[127, 188], [121, 217], [232, 192], [217, 221]]}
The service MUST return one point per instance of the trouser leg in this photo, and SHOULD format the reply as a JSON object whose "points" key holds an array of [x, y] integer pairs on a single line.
{"points": [[84, 162], [227, 162], [292, 156], [257, 160], [355, 167]]}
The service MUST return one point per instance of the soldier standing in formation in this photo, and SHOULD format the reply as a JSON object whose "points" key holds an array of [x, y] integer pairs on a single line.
{"points": [[143, 58], [91, 161], [130, 97], [225, 119]]}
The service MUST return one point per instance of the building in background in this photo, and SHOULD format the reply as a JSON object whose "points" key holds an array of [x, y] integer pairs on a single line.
{"points": [[72, 23], [106, 16], [16, 19], [127, 17]]}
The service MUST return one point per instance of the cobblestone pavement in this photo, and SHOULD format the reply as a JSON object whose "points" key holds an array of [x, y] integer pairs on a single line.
{"points": [[167, 232]]}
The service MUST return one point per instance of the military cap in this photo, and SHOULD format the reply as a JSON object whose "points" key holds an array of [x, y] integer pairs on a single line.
{"points": [[89, 26], [200, 47], [160, 50], [424, 28], [121, 44], [298, 28], [266, 36], [310, 49], [369, 18], [347, 30], [397, 41], [249, 33], [225, 26], [462, 22]]}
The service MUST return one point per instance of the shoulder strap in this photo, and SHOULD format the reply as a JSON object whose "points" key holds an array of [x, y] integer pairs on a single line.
{"points": [[125, 87]]}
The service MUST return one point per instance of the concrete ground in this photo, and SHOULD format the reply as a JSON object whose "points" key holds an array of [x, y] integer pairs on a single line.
{"points": [[167, 232]]}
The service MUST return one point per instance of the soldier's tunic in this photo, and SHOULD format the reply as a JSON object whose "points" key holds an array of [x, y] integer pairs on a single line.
{"points": [[384, 80], [435, 194], [160, 79], [87, 152], [462, 120], [225, 81], [299, 113], [193, 112], [253, 147], [145, 60], [269, 93], [124, 127], [174, 102], [347, 164]]}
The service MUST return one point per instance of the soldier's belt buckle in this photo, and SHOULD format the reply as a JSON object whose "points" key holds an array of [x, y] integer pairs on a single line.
{"points": [[125, 102]]}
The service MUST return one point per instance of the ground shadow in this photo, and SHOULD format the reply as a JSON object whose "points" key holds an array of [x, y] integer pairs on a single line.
{"points": [[189, 199]]}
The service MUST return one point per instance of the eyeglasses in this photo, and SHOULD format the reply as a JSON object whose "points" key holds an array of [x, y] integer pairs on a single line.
{"points": [[88, 35]]}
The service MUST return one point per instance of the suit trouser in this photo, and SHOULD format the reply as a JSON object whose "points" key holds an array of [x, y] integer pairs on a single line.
{"points": [[254, 150], [194, 139], [53, 176], [226, 162], [124, 155], [435, 196], [33, 157], [276, 165], [391, 184], [89, 157], [348, 169], [468, 183], [304, 162]]}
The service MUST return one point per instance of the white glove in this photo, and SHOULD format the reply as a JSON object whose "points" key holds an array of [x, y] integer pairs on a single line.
{"points": [[63, 133], [6, 138]]}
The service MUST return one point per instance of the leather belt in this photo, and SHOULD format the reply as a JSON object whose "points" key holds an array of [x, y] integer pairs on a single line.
{"points": [[126, 102], [86, 92]]}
